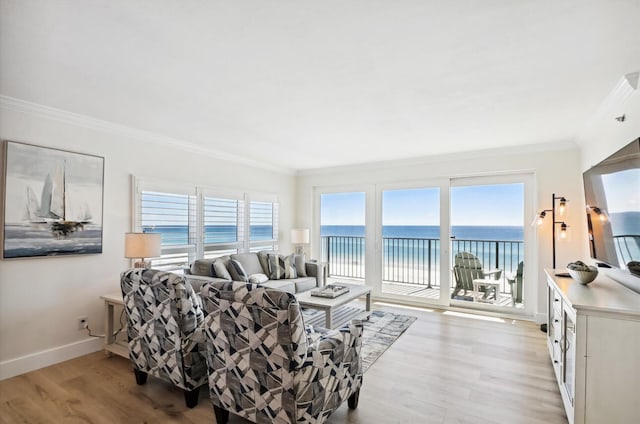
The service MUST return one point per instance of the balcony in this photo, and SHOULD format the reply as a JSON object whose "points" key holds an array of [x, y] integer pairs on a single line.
{"points": [[411, 266]]}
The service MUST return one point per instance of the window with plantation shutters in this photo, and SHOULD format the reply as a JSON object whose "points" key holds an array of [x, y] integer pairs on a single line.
{"points": [[198, 222]]}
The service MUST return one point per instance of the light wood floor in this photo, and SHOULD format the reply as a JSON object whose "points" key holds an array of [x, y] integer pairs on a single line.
{"points": [[444, 369]]}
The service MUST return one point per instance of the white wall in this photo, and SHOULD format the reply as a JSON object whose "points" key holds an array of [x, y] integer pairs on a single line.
{"points": [[40, 299], [556, 168]]}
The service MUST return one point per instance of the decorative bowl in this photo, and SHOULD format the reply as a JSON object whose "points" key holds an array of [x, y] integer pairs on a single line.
{"points": [[584, 277]]}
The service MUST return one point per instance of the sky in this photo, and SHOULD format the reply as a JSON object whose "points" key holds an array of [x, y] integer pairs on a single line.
{"points": [[488, 205], [622, 190]]}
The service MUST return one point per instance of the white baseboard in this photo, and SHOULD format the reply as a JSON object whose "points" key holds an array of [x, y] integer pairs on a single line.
{"points": [[42, 359], [541, 318]]}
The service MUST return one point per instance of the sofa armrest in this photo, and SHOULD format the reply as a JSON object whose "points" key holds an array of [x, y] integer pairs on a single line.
{"points": [[317, 270]]}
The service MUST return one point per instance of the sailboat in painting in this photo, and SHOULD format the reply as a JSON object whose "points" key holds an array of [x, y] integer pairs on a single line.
{"points": [[52, 208]]}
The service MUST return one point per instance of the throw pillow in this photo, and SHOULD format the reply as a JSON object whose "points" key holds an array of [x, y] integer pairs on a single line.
{"points": [[258, 278], [237, 271], [301, 268], [220, 271], [281, 267]]}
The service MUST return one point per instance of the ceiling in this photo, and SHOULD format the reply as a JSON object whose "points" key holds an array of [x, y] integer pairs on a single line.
{"points": [[321, 83]]}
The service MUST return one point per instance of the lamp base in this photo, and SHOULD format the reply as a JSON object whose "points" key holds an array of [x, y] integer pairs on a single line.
{"points": [[299, 249], [142, 264]]}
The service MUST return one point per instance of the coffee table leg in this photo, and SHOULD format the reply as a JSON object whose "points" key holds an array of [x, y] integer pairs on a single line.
{"points": [[368, 306], [327, 318]]}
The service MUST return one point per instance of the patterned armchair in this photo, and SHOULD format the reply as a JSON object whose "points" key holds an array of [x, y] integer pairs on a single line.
{"points": [[164, 328], [266, 367]]}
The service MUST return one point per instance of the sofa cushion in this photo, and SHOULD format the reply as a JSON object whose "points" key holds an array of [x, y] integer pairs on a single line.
{"points": [[264, 260], [237, 271], [202, 267], [299, 262], [281, 267], [304, 284], [284, 285], [249, 262], [258, 278], [220, 269]]}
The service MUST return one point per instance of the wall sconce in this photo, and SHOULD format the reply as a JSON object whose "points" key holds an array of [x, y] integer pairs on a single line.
{"points": [[563, 233], [142, 245], [300, 237], [602, 215]]}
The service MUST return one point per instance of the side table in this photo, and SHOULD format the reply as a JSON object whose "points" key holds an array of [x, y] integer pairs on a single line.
{"points": [[111, 345], [488, 284]]}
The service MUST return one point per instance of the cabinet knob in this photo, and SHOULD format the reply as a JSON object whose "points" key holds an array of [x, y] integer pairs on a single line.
{"points": [[556, 320], [556, 300], [555, 341], [555, 361]]}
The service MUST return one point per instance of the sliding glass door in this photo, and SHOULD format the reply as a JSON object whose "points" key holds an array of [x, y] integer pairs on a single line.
{"points": [[343, 235], [410, 248], [409, 242], [489, 240]]}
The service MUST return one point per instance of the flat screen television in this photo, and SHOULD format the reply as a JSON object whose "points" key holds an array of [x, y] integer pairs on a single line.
{"points": [[612, 194]]}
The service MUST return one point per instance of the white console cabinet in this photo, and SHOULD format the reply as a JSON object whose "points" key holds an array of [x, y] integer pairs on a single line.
{"points": [[593, 335]]}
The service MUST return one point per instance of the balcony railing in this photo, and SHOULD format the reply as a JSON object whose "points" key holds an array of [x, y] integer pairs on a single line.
{"points": [[417, 260], [627, 247]]}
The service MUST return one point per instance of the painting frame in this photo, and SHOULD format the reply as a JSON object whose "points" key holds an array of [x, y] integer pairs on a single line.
{"points": [[53, 202]]}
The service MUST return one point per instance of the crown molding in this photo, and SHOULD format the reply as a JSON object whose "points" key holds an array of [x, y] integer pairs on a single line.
{"points": [[47, 112]]}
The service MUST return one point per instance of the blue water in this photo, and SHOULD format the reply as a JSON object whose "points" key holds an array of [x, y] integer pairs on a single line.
{"points": [[503, 233], [179, 234]]}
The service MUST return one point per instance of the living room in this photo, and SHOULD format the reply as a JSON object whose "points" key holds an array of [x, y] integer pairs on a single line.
{"points": [[64, 86]]}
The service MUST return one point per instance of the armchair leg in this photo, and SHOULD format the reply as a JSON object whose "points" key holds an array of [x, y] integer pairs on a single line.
{"points": [[353, 399], [191, 397], [141, 377], [222, 415]]}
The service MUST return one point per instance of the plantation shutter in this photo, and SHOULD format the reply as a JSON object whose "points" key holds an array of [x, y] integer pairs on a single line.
{"points": [[263, 222], [170, 211], [223, 223]]}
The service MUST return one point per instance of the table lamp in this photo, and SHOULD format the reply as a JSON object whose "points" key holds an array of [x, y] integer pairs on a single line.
{"points": [[142, 245], [300, 237]]}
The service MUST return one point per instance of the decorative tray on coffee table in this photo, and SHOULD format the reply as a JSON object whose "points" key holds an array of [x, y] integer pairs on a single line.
{"points": [[330, 291]]}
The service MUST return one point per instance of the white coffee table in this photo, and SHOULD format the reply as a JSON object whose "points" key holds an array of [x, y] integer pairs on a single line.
{"points": [[328, 305]]}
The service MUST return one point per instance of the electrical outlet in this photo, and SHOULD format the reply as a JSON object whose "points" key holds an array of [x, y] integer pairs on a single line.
{"points": [[83, 322]]}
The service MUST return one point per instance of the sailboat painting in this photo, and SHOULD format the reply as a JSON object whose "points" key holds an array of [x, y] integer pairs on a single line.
{"points": [[52, 202]]}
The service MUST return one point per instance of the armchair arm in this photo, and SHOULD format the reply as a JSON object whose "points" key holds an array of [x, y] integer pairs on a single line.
{"points": [[344, 342], [495, 273]]}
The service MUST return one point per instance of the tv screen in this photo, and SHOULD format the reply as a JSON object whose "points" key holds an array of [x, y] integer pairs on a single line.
{"points": [[612, 194]]}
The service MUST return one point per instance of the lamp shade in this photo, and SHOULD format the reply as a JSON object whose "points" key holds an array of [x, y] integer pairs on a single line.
{"points": [[300, 235], [142, 245]]}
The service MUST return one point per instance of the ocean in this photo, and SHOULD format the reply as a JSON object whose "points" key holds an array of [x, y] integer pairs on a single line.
{"points": [[179, 235], [467, 232]]}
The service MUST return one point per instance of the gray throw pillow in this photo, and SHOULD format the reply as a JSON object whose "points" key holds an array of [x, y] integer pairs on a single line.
{"points": [[237, 271], [300, 261], [258, 278], [220, 271], [281, 267]]}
